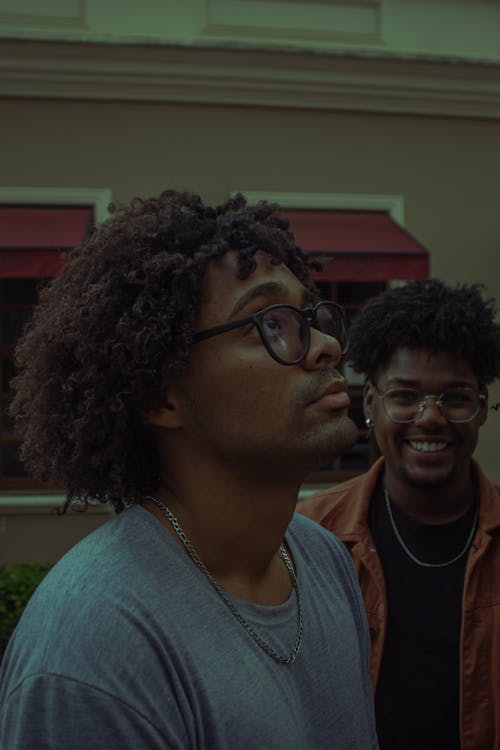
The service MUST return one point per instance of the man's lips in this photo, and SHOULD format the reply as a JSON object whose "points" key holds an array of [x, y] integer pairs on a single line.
{"points": [[334, 396], [434, 444]]}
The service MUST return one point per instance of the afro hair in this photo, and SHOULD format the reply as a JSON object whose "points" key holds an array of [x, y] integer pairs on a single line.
{"points": [[115, 325], [427, 314]]}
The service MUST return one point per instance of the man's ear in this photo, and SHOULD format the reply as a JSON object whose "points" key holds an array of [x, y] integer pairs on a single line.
{"points": [[368, 399], [483, 411], [169, 415]]}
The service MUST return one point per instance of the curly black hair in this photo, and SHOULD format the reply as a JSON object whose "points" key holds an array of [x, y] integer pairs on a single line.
{"points": [[427, 314], [115, 325]]}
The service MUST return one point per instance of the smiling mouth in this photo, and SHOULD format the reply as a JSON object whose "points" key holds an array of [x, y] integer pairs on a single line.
{"points": [[427, 446]]}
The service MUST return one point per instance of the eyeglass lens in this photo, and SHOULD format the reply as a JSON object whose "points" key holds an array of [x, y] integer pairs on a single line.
{"points": [[286, 333], [456, 405], [286, 330], [331, 322]]}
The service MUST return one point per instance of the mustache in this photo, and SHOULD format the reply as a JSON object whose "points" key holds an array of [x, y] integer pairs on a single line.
{"points": [[324, 378]]}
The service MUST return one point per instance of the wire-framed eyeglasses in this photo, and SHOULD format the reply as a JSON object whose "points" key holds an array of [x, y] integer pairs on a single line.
{"points": [[286, 330], [457, 405]]}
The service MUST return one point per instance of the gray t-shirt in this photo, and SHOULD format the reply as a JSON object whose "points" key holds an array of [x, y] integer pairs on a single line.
{"points": [[126, 645]]}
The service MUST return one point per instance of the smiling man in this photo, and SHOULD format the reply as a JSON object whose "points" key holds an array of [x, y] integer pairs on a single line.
{"points": [[183, 369], [423, 525]]}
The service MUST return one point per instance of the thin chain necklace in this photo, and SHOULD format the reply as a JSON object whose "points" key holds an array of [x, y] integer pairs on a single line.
{"points": [[246, 625], [411, 555]]}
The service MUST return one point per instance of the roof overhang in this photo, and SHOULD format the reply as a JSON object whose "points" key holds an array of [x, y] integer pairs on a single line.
{"points": [[32, 238], [358, 245]]}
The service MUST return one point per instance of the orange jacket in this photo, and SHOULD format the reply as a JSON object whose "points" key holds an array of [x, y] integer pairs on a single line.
{"points": [[343, 509]]}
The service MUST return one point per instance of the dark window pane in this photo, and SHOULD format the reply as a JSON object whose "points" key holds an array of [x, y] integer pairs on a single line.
{"points": [[350, 314], [356, 459], [325, 290], [7, 373], [12, 466], [356, 412], [7, 421], [326, 467], [358, 292], [13, 324], [20, 291]]}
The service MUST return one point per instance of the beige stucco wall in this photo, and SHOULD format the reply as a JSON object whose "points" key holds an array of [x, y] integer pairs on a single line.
{"points": [[35, 534], [446, 169]]}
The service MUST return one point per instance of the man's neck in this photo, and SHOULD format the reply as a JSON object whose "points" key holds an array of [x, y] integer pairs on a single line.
{"points": [[236, 528], [432, 504]]}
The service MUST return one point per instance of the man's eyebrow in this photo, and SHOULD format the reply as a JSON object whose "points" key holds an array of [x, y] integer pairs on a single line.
{"points": [[410, 382], [268, 289]]}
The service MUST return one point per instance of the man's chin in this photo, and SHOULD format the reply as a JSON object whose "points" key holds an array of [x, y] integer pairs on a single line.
{"points": [[338, 438], [424, 481]]}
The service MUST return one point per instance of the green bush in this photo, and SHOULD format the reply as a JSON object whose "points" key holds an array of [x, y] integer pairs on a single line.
{"points": [[17, 583]]}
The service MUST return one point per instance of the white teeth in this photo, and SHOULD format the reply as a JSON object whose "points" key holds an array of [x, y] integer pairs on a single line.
{"points": [[427, 447]]}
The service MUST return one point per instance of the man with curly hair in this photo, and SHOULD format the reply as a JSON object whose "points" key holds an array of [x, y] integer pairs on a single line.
{"points": [[182, 368], [423, 525]]}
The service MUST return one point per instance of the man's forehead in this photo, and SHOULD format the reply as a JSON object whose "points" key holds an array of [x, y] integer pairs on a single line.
{"points": [[271, 290], [418, 363], [222, 282]]}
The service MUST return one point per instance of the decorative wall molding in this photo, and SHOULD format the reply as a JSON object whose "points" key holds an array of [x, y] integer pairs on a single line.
{"points": [[394, 205], [308, 22], [249, 77], [99, 198]]}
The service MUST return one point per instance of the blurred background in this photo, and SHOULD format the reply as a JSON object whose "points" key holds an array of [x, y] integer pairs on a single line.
{"points": [[374, 123]]}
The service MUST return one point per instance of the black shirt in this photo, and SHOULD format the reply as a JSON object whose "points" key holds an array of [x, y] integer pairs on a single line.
{"points": [[417, 697]]}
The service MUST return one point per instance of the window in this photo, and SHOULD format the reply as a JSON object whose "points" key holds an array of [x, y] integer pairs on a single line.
{"points": [[17, 297], [32, 238]]}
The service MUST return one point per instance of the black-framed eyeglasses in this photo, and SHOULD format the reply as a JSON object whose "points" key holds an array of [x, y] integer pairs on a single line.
{"points": [[286, 330], [457, 405]]}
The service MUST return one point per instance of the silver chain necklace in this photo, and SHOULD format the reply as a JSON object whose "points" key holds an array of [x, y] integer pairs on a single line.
{"points": [[411, 555], [246, 625]]}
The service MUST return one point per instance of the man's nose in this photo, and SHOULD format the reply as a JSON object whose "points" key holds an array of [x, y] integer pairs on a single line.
{"points": [[323, 349], [429, 410]]}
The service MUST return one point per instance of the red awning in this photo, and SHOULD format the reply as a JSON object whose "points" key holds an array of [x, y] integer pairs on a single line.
{"points": [[32, 238], [359, 245]]}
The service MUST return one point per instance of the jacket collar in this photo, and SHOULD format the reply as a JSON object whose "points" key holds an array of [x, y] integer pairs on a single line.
{"points": [[351, 503], [348, 516]]}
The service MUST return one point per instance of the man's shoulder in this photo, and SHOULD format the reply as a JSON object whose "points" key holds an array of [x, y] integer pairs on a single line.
{"points": [[320, 556], [304, 526], [489, 499], [313, 542], [103, 594], [113, 545], [103, 569]]}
